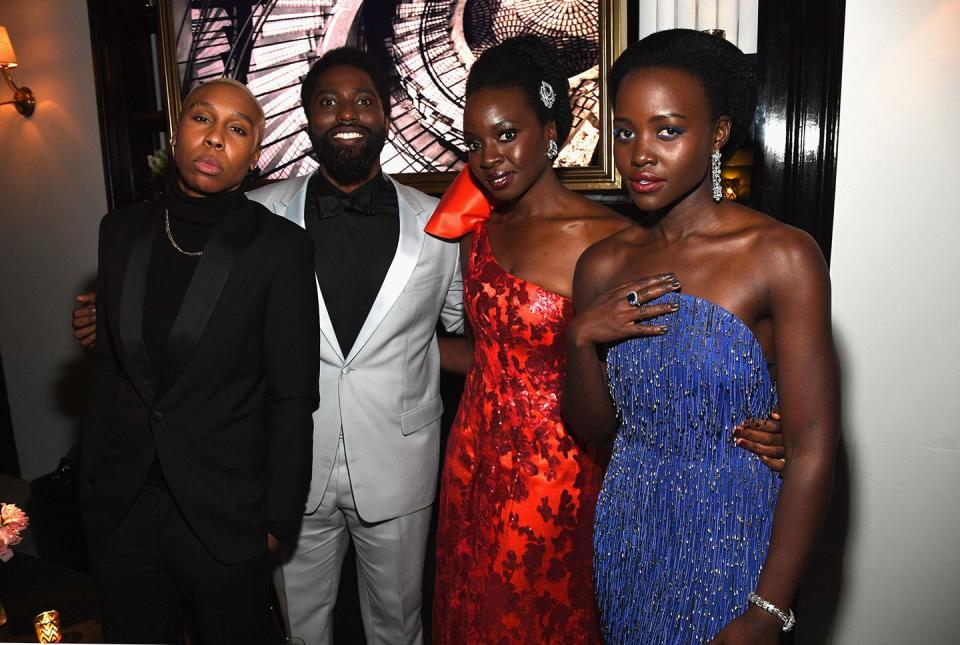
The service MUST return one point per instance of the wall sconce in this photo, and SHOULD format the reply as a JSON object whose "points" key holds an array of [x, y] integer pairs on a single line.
{"points": [[731, 187], [22, 96]]}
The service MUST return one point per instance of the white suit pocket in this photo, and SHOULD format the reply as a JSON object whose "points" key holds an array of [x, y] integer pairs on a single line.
{"points": [[421, 416]]}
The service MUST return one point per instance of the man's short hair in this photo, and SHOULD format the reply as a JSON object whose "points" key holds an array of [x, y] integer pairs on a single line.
{"points": [[347, 57]]}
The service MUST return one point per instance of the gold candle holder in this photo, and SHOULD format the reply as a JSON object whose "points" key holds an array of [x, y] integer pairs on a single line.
{"points": [[47, 626]]}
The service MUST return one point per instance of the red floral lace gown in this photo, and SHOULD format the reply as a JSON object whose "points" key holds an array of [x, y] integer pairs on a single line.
{"points": [[517, 494]]}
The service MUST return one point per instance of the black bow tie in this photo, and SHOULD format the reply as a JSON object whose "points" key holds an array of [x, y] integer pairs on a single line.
{"points": [[333, 206]]}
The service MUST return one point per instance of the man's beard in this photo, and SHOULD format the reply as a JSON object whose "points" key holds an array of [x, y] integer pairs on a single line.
{"points": [[348, 164]]}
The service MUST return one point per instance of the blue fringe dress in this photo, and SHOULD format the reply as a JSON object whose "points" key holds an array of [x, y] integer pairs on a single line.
{"points": [[684, 516]]}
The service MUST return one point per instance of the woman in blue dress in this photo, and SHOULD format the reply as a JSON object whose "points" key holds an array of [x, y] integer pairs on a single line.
{"points": [[696, 541]]}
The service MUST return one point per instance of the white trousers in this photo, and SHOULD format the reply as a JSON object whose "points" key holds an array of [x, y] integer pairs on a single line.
{"points": [[390, 557]]}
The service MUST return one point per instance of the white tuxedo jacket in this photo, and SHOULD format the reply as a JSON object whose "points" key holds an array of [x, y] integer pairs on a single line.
{"points": [[384, 396]]}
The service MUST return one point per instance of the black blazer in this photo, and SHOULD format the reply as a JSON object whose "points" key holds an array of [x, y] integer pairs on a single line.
{"points": [[233, 434]]}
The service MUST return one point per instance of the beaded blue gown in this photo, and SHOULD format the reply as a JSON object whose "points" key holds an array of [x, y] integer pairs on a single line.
{"points": [[684, 516]]}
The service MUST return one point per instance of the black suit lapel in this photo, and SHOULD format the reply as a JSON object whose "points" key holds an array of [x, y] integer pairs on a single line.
{"points": [[131, 304], [205, 288]]}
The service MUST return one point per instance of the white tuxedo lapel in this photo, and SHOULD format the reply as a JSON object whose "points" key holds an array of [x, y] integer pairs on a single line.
{"points": [[412, 235], [290, 204]]}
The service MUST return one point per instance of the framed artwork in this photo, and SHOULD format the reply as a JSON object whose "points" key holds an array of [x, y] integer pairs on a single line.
{"points": [[427, 47]]}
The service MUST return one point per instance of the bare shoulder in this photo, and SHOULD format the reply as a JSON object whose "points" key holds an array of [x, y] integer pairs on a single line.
{"points": [[781, 249], [600, 264], [593, 221]]}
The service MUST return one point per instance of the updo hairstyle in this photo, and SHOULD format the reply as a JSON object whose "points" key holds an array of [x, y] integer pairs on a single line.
{"points": [[526, 62]]}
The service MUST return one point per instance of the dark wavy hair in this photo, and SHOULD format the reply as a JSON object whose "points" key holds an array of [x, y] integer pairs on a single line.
{"points": [[525, 62], [348, 57], [728, 77]]}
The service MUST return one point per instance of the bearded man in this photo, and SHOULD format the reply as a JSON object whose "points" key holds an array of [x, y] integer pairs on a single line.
{"points": [[383, 283]]}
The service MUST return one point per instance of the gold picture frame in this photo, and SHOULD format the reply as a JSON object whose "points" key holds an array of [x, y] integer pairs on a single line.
{"points": [[598, 176]]}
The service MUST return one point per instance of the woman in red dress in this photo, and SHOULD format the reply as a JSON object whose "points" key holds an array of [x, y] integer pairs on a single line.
{"points": [[517, 493]]}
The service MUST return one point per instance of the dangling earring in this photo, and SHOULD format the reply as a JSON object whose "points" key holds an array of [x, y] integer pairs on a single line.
{"points": [[715, 176], [172, 144], [552, 150]]}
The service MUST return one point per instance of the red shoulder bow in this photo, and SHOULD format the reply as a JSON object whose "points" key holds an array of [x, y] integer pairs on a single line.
{"points": [[460, 209]]}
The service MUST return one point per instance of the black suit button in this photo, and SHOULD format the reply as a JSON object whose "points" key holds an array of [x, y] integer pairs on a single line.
{"points": [[157, 415]]}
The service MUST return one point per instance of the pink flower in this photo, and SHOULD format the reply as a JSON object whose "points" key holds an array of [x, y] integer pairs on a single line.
{"points": [[12, 516], [12, 522], [9, 537]]}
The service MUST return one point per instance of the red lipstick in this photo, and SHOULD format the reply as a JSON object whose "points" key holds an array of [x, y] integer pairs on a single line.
{"points": [[645, 182], [499, 180]]}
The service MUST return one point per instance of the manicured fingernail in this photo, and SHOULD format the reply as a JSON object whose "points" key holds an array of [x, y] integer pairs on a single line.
{"points": [[675, 306], [675, 283], [662, 329], [739, 442]]}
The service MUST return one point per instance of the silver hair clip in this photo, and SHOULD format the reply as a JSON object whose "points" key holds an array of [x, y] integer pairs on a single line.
{"points": [[547, 94]]}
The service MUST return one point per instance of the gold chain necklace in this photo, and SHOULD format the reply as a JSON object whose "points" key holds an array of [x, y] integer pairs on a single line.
{"points": [[173, 242]]}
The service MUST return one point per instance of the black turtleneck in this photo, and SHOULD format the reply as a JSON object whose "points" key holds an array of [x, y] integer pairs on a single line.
{"points": [[192, 221]]}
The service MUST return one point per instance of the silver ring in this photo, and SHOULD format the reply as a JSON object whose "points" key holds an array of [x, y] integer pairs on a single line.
{"points": [[633, 299]]}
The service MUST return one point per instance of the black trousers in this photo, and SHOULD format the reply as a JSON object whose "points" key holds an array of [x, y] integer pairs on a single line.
{"points": [[154, 576]]}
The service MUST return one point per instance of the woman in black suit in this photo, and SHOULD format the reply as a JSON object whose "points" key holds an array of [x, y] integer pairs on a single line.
{"points": [[197, 440]]}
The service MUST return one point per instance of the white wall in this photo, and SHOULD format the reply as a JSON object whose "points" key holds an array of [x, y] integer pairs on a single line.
{"points": [[51, 198], [893, 564]]}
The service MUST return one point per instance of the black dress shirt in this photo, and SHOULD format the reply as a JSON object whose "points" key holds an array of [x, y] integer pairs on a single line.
{"points": [[355, 237]]}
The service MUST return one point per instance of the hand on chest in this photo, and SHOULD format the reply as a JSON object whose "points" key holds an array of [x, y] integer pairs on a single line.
{"points": [[734, 281]]}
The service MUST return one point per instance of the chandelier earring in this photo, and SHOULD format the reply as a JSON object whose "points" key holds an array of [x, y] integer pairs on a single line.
{"points": [[715, 176], [552, 150]]}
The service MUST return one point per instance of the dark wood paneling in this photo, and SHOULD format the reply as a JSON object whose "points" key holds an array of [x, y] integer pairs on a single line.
{"points": [[131, 126], [800, 54]]}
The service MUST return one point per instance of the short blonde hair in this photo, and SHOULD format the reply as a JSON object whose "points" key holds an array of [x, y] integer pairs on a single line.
{"points": [[259, 117]]}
